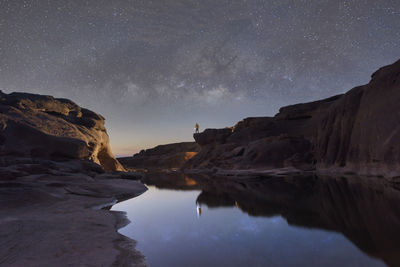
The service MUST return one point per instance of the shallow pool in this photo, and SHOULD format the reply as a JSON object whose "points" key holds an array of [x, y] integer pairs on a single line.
{"points": [[240, 224]]}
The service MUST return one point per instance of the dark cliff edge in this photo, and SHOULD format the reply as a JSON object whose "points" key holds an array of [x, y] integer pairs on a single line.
{"points": [[357, 132]]}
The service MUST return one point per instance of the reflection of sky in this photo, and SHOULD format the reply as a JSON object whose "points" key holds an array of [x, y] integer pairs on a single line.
{"points": [[169, 233]]}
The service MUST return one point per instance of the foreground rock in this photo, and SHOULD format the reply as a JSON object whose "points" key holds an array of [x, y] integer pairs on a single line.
{"points": [[168, 156], [357, 132], [41, 126], [51, 215]]}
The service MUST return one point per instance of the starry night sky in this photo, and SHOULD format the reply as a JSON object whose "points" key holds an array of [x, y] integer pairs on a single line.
{"points": [[155, 68]]}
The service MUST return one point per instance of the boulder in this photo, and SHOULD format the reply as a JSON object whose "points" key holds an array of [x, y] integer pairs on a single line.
{"points": [[40, 126]]}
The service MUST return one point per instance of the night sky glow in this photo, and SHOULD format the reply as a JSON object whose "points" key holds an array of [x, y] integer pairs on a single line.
{"points": [[155, 68]]}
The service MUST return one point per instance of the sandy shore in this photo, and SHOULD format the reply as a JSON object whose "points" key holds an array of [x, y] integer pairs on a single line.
{"points": [[55, 218]]}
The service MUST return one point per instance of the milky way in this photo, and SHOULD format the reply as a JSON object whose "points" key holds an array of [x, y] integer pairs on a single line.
{"points": [[155, 68]]}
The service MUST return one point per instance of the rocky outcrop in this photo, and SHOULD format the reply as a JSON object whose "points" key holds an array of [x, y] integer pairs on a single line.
{"points": [[53, 186], [355, 132], [162, 157], [41, 126]]}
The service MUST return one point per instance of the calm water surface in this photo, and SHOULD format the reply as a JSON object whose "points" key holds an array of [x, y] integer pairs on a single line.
{"points": [[207, 221]]}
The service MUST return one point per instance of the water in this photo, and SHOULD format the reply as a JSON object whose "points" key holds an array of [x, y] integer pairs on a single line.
{"points": [[303, 221]]}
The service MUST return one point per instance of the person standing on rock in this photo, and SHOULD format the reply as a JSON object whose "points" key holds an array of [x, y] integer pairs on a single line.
{"points": [[197, 128]]}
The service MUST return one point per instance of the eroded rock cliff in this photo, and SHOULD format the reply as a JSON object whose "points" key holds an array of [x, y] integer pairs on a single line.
{"points": [[355, 132]]}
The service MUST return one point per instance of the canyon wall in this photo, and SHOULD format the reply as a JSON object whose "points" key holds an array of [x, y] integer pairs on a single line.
{"points": [[357, 132]]}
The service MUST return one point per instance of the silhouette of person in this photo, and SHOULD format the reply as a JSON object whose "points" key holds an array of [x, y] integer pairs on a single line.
{"points": [[197, 128]]}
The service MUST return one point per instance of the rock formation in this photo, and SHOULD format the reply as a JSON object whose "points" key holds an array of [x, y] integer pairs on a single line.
{"points": [[355, 132], [53, 157], [41, 126], [162, 157]]}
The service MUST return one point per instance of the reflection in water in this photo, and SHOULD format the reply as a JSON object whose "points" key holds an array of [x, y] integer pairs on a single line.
{"points": [[198, 210], [365, 210]]}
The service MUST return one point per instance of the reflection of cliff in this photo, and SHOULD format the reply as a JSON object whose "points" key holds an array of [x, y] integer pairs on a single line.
{"points": [[177, 181], [367, 213]]}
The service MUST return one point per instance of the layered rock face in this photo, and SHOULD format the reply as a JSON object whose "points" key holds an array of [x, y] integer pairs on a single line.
{"points": [[356, 132], [361, 131], [39, 126], [162, 156]]}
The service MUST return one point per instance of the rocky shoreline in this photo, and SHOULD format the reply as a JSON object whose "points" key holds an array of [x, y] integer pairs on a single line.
{"points": [[60, 218]]}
